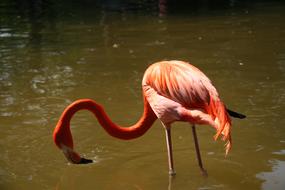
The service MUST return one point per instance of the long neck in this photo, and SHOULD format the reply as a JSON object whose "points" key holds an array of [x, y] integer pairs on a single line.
{"points": [[62, 134]]}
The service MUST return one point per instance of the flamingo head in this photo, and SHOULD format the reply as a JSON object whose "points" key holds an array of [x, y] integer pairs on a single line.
{"points": [[73, 156], [63, 139]]}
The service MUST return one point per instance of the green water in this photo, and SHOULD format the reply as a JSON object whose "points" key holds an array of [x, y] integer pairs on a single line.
{"points": [[53, 54]]}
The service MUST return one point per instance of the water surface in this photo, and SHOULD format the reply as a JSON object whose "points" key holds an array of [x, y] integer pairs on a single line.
{"points": [[52, 54]]}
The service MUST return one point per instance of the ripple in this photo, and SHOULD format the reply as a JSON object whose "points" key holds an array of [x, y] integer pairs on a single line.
{"points": [[5, 35], [7, 100], [281, 152], [36, 81], [156, 43], [259, 148], [50, 80], [8, 35]]}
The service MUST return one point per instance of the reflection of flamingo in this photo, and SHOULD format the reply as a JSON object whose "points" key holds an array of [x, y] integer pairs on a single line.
{"points": [[172, 91]]}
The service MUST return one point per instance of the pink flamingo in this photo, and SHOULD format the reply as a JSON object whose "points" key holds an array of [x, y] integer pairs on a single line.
{"points": [[172, 91]]}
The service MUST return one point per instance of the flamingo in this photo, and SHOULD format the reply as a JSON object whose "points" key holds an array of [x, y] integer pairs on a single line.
{"points": [[172, 91]]}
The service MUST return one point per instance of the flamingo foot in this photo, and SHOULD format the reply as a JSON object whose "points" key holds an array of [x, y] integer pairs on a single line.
{"points": [[204, 172], [172, 173]]}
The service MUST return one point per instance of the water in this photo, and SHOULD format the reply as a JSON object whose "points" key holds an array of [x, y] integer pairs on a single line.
{"points": [[54, 53]]}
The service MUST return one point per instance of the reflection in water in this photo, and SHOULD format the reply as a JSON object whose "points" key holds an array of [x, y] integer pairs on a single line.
{"points": [[162, 5], [275, 178], [170, 181], [53, 52]]}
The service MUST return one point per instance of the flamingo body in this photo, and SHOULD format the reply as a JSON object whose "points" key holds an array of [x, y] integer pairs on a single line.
{"points": [[178, 91]]}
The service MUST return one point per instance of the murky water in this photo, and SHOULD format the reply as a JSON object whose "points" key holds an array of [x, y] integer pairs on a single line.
{"points": [[53, 54]]}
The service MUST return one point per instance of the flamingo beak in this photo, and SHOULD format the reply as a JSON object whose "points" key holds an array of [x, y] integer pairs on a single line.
{"points": [[74, 157], [85, 161]]}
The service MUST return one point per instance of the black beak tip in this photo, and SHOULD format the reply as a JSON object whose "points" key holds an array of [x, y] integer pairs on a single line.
{"points": [[85, 161]]}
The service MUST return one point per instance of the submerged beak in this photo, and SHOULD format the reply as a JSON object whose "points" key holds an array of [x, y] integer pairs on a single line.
{"points": [[74, 157]]}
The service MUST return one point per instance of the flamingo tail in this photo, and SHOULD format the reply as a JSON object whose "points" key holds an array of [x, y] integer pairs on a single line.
{"points": [[222, 119]]}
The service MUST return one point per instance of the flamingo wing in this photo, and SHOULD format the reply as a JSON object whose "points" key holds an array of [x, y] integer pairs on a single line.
{"points": [[180, 82]]}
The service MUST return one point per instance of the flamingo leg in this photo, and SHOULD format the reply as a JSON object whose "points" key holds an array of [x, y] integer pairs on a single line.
{"points": [[204, 172], [169, 149]]}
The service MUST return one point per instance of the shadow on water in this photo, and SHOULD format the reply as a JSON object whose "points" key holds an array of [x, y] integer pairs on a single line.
{"points": [[53, 52]]}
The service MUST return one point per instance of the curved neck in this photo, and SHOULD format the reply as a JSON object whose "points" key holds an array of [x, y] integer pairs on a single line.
{"points": [[62, 134]]}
